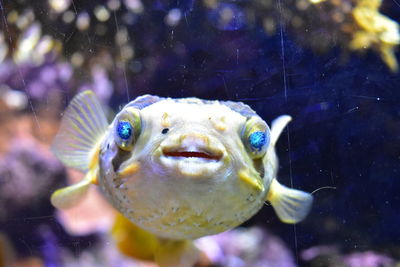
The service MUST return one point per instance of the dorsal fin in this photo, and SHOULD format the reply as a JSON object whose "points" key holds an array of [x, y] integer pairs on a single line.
{"points": [[277, 127], [82, 127], [143, 101]]}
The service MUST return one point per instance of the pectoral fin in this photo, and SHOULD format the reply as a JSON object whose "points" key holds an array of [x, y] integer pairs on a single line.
{"points": [[291, 205], [82, 128], [69, 196], [176, 253]]}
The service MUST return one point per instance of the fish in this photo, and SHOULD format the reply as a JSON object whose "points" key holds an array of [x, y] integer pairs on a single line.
{"points": [[179, 168]]}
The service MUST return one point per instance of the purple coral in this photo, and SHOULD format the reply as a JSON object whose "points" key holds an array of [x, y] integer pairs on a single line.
{"points": [[28, 175], [367, 259], [246, 247]]}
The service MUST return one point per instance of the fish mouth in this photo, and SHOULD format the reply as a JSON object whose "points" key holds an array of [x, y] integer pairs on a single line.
{"points": [[192, 161], [192, 153]]}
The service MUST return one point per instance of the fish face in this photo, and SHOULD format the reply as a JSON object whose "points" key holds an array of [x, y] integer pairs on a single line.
{"points": [[190, 171]]}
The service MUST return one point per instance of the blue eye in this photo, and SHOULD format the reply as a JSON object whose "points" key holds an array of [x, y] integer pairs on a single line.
{"points": [[124, 130], [258, 140], [127, 128]]}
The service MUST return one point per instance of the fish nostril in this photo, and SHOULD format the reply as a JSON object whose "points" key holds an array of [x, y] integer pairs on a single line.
{"points": [[196, 140]]}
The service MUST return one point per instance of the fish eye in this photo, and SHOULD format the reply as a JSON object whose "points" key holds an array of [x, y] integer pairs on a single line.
{"points": [[257, 140], [127, 128], [124, 130], [256, 137]]}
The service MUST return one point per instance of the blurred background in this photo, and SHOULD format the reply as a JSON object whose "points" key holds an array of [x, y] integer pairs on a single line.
{"points": [[330, 64]]}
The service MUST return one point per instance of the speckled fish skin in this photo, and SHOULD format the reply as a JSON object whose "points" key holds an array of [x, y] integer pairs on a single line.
{"points": [[186, 198]]}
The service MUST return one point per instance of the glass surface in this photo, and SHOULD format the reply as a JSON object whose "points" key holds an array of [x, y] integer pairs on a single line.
{"points": [[330, 64]]}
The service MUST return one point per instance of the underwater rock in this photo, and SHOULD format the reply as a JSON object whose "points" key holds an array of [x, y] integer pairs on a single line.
{"points": [[37, 85], [368, 259], [246, 247], [330, 256], [30, 85], [103, 253], [28, 173]]}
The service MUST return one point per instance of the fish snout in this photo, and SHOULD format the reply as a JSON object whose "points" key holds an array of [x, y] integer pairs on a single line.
{"points": [[193, 145], [194, 141]]}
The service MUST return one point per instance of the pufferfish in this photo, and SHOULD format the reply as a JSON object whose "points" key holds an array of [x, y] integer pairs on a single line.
{"points": [[178, 168]]}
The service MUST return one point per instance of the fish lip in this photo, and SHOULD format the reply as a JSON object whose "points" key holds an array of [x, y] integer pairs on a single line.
{"points": [[205, 154], [199, 161]]}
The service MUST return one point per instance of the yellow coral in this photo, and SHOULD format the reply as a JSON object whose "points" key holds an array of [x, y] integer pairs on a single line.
{"points": [[368, 29], [376, 31]]}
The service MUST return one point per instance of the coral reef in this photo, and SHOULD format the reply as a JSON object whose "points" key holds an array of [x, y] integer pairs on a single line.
{"points": [[246, 247], [330, 256], [27, 174], [354, 25], [109, 32]]}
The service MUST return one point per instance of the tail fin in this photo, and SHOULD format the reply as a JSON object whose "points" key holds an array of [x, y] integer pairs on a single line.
{"points": [[137, 243], [132, 240], [291, 205], [82, 127]]}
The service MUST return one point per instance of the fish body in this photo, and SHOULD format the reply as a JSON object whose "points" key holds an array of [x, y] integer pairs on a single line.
{"points": [[177, 195], [178, 168]]}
